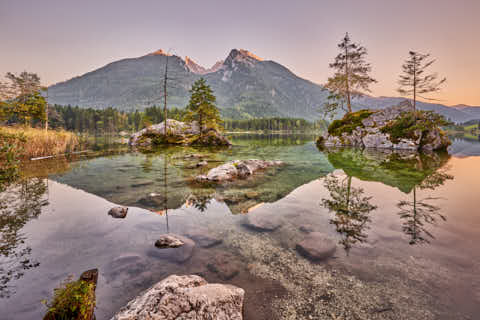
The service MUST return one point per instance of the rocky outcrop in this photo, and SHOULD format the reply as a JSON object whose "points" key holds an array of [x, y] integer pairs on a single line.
{"points": [[371, 129], [118, 212], [185, 297], [178, 133], [316, 246], [237, 169]]}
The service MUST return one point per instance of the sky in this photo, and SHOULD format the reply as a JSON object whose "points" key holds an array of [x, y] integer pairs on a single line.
{"points": [[61, 39]]}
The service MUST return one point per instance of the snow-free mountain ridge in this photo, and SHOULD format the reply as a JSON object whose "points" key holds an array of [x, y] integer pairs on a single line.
{"points": [[245, 85]]}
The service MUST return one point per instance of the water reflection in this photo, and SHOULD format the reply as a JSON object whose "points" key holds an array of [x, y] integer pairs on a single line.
{"points": [[19, 203], [419, 214], [409, 172], [351, 208]]}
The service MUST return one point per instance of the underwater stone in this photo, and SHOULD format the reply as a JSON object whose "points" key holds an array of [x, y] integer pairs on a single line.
{"points": [[316, 246]]}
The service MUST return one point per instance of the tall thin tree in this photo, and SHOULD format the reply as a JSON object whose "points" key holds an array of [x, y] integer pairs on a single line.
{"points": [[165, 94], [351, 78], [414, 81]]}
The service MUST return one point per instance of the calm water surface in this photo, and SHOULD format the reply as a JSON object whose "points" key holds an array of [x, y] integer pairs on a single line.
{"points": [[406, 227]]}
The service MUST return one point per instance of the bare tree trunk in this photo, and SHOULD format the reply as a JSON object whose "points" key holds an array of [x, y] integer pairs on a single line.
{"points": [[165, 95], [414, 84], [349, 106], [46, 112]]}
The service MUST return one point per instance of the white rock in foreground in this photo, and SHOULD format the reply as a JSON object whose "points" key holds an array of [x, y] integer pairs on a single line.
{"points": [[185, 297], [237, 169]]}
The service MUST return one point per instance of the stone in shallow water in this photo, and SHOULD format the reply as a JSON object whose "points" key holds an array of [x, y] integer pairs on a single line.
{"points": [[259, 222], [178, 254], [204, 238], [169, 241], [185, 297], [118, 212], [316, 246], [225, 265]]}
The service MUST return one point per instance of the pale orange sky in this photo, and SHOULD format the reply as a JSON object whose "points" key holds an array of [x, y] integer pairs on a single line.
{"points": [[61, 39]]}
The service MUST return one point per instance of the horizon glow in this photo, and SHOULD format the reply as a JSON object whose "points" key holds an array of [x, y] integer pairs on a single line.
{"points": [[62, 39]]}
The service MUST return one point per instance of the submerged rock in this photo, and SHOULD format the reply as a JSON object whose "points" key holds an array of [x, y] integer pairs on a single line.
{"points": [[384, 129], [118, 212], [185, 297], [316, 246], [260, 222], [237, 169], [178, 133], [203, 238], [169, 241]]}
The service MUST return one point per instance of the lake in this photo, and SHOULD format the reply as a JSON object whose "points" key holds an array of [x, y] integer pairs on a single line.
{"points": [[406, 229]]}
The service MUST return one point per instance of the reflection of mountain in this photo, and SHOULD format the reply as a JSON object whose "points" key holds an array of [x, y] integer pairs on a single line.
{"points": [[402, 170], [462, 147], [19, 203], [137, 179]]}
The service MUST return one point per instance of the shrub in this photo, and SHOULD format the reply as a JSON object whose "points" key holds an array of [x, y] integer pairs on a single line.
{"points": [[38, 142], [10, 152], [414, 125]]}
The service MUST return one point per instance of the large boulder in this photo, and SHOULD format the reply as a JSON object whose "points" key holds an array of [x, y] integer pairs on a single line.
{"points": [[373, 129], [178, 133], [185, 297], [237, 169]]}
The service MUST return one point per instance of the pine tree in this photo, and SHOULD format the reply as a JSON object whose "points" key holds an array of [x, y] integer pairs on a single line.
{"points": [[351, 78], [414, 82], [201, 106]]}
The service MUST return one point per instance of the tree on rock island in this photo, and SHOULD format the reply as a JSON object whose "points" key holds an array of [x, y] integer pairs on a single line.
{"points": [[201, 106], [351, 78], [414, 82]]}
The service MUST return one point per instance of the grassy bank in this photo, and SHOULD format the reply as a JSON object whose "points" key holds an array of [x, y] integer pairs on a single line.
{"points": [[32, 142]]}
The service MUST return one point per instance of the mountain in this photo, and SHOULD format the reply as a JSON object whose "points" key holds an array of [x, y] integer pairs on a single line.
{"points": [[246, 86]]}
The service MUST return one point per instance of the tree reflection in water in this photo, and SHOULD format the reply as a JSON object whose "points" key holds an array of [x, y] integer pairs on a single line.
{"points": [[351, 208], [19, 203], [420, 213]]}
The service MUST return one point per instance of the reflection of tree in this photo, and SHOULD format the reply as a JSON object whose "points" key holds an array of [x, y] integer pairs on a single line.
{"points": [[200, 200], [18, 204], [351, 210], [419, 213]]}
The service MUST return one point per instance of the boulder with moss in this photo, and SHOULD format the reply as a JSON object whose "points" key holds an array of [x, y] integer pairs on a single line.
{"points": [[178, 133], [399, 127], [75, 299]]}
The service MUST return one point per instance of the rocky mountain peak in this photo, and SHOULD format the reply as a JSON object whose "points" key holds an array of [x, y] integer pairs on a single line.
{"points": [[194, 67], [241, 56], [159, 52]]}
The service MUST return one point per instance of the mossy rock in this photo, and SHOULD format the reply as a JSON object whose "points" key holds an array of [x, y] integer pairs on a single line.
{"points": [[74, 300], [349, 122]]}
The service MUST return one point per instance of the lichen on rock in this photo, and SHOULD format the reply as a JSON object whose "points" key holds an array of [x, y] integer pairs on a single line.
{"points": [[185, 297]]}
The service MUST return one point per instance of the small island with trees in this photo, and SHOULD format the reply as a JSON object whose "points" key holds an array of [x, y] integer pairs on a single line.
{"points": [[201, 126], [398, 127]]}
